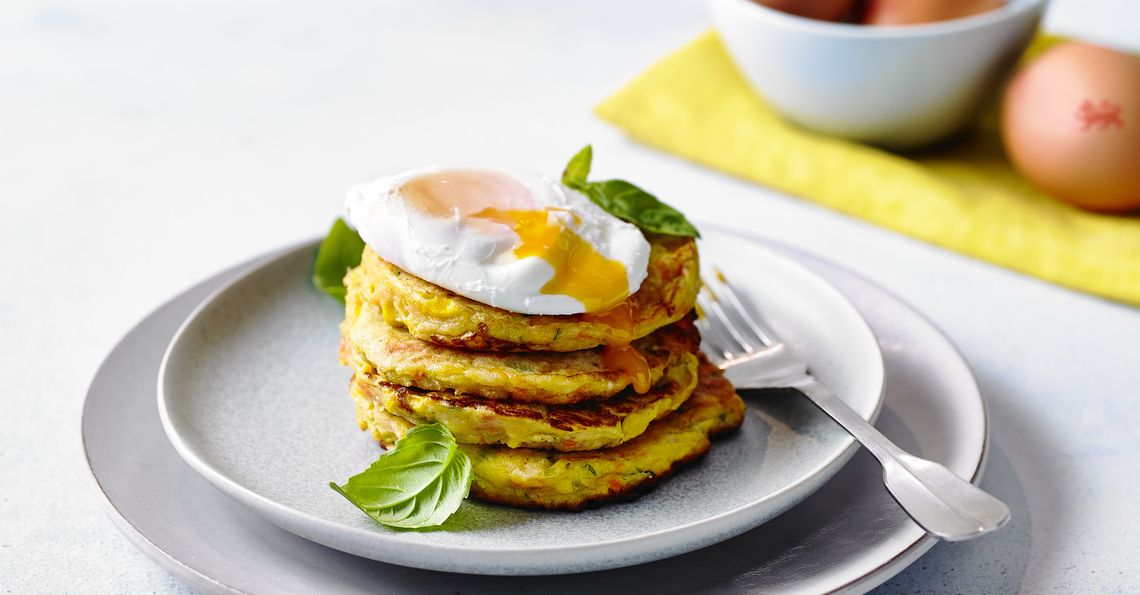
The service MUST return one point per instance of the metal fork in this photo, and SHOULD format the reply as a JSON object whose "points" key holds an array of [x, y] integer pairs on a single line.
{"points": [[942, 503]]}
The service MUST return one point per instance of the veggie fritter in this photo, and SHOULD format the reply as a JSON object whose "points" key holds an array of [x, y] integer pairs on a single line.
{"points": [[532, 478], [388, 354], [586, 426], [434, 314]]}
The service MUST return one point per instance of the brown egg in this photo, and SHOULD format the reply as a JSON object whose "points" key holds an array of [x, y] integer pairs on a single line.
{"points": [[911, 12], [1071, 125], [824, 10]]}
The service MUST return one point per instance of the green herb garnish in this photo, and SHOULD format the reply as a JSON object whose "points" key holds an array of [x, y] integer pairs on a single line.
{"points": [[418, 483], [339, 251], [626, 201]]}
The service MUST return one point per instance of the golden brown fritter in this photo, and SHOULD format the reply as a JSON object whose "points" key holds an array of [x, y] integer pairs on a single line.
{"points": [[531, 478], [432, 313], [385, 353], [586, 426]]}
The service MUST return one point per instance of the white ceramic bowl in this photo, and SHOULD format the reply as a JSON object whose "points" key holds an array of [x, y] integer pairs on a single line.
{"points": [[897, 86]]}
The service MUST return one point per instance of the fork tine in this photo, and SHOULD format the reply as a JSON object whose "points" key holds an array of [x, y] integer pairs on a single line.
{"points": [[714, 330], [733, 328], [716, 315], [736, 305]]}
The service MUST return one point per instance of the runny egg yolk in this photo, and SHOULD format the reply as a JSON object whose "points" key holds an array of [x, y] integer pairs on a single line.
{"points": [[580, 271]]}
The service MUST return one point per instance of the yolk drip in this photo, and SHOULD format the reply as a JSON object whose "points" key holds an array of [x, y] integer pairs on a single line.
{"points": [[618, 354], [629, 361], [619, 320], [580, 271]]}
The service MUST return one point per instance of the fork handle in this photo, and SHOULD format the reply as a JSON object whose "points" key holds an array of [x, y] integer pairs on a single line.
{"points": [[938, 500]]}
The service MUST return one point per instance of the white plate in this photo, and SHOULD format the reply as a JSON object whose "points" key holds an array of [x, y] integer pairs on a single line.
{"points": [[251, 396], [848, 536]]}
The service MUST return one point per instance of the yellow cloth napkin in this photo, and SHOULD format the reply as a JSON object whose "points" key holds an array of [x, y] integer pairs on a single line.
{"points": [[966, 197]]}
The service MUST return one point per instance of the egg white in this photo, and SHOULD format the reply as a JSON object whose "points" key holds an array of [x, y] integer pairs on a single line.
{"points": [[474, 257]]}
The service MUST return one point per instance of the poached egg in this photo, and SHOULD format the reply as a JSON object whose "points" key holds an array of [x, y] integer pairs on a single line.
{"points": [[516, 241]]}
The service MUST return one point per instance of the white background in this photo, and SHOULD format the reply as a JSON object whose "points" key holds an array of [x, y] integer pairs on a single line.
{"points": [[147, 144]]}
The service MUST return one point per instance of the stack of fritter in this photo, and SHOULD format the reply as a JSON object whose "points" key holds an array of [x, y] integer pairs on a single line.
{"points": [[555, 412]]}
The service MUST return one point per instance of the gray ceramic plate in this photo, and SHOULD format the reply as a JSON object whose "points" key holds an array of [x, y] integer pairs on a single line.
{"points": [[252, 398], [846, 537]]}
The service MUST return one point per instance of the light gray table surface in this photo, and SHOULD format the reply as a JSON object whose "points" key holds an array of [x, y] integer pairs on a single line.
{"points": [[147, 144]]}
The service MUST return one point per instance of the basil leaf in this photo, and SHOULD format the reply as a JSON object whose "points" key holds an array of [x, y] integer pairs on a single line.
{"points": [[625, 200], [339, 251], [578, 169], [628, 202], [418, 483]]}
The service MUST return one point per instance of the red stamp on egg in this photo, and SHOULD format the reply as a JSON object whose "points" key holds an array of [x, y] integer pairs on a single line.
{"points": [[1100, 116]]}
